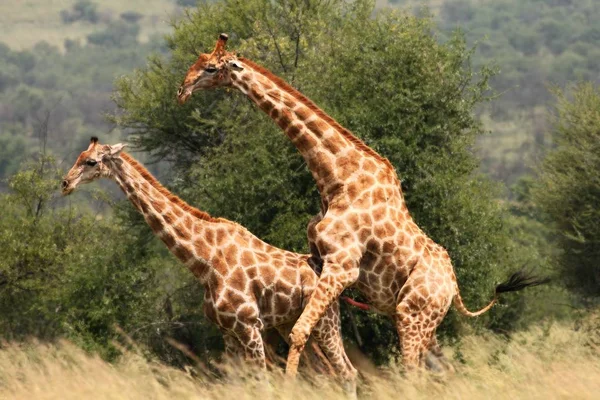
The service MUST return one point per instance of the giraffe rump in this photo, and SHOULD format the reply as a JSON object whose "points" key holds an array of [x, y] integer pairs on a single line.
{"points": [[519, 281]]}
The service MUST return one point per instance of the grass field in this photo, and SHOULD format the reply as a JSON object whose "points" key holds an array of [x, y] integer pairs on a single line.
{"points": [[557, 362], [26, 22]]}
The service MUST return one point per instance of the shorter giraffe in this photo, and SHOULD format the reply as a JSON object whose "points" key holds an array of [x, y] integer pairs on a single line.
{"points": [[248, 284]]}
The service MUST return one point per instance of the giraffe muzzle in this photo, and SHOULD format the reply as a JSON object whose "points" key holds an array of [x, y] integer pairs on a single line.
{"points": [[183, 94], [66, 187]]}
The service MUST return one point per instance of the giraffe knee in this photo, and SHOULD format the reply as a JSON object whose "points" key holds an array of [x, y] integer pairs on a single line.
{"points": [[298, 338]]}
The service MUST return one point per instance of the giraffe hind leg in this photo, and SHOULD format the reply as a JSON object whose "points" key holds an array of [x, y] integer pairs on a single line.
{"points": [[328, 335], [413, 343], [415, 331]]}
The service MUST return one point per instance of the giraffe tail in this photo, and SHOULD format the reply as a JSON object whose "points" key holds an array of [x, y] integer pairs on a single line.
{"points": [[517, 281]]}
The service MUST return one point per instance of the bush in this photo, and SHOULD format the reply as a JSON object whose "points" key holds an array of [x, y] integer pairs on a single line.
{"points": [[83, 10], [458, 10], [186, 3], [131, 16], [569, 187], [65, 273], [116, 34]]}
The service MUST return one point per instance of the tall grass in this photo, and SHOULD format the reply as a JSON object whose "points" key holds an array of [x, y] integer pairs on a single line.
{"points": [[557, 362]]}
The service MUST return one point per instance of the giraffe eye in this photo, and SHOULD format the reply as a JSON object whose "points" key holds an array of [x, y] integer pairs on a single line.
{"points": [[91, 163], [210, 70]]}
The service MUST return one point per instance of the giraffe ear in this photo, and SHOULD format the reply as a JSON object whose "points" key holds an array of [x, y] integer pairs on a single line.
{"points": [[235, 65], [116, 149]]}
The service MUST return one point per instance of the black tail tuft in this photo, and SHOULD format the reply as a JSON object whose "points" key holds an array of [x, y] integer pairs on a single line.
{"points": [[520, 280]]}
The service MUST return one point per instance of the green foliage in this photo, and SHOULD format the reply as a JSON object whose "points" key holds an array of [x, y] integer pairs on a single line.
{"points": [[569, 188], [13, 149], [186, 3], [131, 16], [267, 189], [116, 34], [83, 10], [71, 273], [458, 11], [33, 247], [68, 92], [534, 43], [515, 30], [99, 272]]}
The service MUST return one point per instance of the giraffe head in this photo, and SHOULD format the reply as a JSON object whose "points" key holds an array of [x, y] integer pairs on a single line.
{"points": [[209, 71], [91, 165]]}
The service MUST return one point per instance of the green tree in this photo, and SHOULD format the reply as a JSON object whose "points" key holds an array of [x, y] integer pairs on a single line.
{"points": [[535, 43], [13, 148], [116, 34], [82, 10], [569, 186]]}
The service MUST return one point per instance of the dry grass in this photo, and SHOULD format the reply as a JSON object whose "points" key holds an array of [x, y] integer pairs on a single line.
{"points": [[555, 363]]}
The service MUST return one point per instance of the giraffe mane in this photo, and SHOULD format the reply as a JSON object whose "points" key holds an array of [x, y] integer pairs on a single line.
{"points": [[164, 191], [286, 87]]}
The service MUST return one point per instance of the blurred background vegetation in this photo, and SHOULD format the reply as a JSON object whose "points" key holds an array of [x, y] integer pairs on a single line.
{"points": [[488, 109]]}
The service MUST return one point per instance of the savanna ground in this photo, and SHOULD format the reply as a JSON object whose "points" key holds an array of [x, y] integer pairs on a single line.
{"points": [[557, 361]]}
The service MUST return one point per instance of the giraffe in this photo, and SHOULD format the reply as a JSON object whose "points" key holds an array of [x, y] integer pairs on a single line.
{"points": [[364, 235], [249, 284]]}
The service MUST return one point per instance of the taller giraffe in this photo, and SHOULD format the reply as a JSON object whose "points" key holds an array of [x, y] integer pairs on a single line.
{"points": [[364, 234], [249, 285]]}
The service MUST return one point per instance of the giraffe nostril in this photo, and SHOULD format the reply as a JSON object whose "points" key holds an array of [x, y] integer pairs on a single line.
{"points": [[65, 183], [179, 91]]}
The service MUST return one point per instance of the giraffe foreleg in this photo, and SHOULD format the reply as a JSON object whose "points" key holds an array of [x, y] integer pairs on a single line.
{"points": [[314, 356], [251, 345], [334, 279], [233, 347]]}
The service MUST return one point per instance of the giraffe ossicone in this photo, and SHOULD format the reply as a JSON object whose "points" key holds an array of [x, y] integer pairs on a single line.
{"points": [[249, 285], [364, 235]]}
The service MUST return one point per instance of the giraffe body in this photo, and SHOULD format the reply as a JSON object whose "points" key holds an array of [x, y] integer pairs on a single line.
{"points": [[249, 284], [364, 235]]}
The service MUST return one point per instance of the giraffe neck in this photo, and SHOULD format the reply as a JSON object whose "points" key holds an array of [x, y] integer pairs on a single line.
{"points": [[177, 224], [322, 142]]}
